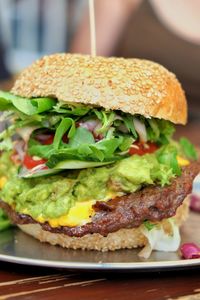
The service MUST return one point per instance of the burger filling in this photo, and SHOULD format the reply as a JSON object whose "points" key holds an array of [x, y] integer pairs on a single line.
{"points": [[60, 161]]}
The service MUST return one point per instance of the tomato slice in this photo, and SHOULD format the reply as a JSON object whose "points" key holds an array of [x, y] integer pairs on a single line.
{"points": [[49, 140], [30, 163], [141, 149]]}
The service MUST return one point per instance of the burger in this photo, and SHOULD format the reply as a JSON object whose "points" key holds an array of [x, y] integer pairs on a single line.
{"points": [[88, 160]]}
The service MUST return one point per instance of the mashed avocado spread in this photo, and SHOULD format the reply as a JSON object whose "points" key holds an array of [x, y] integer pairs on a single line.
{"points": [[53, 196]]}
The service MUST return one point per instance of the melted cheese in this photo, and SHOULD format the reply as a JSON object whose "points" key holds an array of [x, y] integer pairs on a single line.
{"points": [[79, 214], [3, 180], [182, 161]]}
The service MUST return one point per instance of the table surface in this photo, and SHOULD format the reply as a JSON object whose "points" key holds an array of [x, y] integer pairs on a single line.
{"points": [[25, 282], [20, 282]]}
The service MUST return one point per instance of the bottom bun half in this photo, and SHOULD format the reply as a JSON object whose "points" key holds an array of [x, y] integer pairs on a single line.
{"points": [[121, 239]]}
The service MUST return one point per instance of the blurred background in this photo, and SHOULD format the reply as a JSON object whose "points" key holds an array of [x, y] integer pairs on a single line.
{"points": [[166, 31]]}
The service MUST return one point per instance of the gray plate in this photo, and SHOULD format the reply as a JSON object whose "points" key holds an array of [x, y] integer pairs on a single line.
{"points": [[17, 247]]}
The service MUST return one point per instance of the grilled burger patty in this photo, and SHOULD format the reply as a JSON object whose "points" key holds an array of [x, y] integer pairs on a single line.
{"points": [[152, 203]]}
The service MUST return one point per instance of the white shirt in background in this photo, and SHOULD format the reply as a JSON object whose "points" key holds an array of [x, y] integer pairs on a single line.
{"points": [[180, 16]]}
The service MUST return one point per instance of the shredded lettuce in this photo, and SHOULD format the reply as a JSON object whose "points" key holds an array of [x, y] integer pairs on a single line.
{"points": [[160, 131], [188, 149], [149, 225], [159, 239], [167, 155]]}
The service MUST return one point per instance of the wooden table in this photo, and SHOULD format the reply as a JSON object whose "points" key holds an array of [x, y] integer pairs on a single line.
{"points": [[18, 282], [24, 282]]}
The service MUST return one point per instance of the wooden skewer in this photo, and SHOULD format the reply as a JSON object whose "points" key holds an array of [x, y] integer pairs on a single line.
{"points": [[92, 28]]}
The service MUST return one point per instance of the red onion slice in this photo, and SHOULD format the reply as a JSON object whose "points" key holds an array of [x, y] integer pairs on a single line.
{"points": [[19, 147], [90, 125], [190, 251], [141, 130], [26, 132], [195, 202]]}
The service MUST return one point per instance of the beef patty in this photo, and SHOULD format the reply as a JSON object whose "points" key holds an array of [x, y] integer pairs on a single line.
{"points": [[152, 203]]}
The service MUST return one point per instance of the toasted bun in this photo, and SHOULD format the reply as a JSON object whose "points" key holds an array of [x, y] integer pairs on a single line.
{"points": [[131, 85], [121, 239]]}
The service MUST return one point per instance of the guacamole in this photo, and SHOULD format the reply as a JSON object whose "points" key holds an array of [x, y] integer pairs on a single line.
{"points": [[53, 196], [7, 167]]}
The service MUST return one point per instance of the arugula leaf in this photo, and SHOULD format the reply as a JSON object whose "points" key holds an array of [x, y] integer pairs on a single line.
{"points": [[99, 153], [43, 104], [127, 142], [36, 149], [81, 136], [64, 125], [166, 131], [188, 149], [153, 131], [110, 133], [33, 106], [167, 155], [108, 146], [159, 131], [107, 119], [78, 110], [86, 151], [128, 121], [78, 164], [5, 102], [81, 147], [25, 105]]}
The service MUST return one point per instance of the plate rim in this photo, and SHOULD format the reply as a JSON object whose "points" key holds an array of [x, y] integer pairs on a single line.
{"points": [[134, 266]]}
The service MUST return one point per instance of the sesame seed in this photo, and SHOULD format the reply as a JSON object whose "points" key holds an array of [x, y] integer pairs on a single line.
{"points": [[132, 85]]}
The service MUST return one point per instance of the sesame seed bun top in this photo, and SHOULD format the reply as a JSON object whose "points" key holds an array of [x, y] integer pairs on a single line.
{"points": [[135, 86]]}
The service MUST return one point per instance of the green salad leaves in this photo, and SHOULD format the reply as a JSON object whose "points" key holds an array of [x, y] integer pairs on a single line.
{"points": [[188, 149], [168, 155], [27, 106], [82, 136], [4, 221]]}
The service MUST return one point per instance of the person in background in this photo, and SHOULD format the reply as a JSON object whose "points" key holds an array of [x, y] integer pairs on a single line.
{"points": [[30, 29], [165, 31], [4, 74]]}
